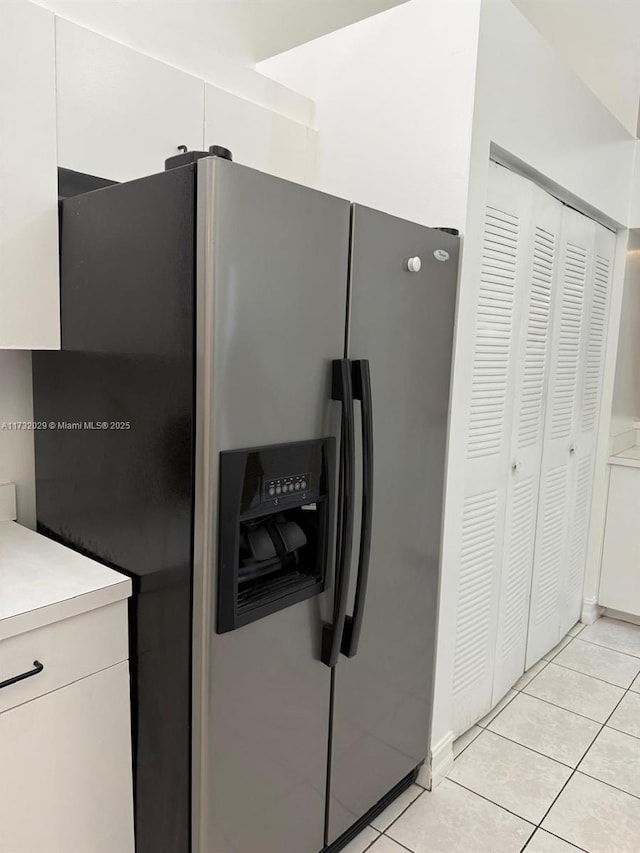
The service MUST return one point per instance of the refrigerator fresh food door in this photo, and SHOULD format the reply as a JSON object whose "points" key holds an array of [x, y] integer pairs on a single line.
{"points": [[272, 271], [402, 305]]}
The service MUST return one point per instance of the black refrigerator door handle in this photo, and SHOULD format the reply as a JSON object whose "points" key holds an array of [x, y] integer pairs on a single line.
{"points": [[362, 391], [342, 389]]}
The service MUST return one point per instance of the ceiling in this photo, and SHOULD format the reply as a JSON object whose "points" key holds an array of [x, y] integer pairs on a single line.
{"points": [[246, 30], [600, 40]]}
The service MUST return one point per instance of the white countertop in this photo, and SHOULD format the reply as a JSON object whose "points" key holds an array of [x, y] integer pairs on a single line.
{"points": [[629, 457], [42, 582]]}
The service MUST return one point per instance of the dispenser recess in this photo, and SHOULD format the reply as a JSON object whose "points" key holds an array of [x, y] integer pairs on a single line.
{"points": [[275, 528]]}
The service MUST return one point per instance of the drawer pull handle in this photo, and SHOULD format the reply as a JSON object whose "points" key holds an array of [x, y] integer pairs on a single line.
{"points": [[37, 667]]}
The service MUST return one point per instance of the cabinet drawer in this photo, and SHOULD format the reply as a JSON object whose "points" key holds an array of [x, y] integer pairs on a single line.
{"points": [[69, 650]]}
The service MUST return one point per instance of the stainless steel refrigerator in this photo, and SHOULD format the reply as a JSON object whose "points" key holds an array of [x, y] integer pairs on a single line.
{"points": [[261, 372]]}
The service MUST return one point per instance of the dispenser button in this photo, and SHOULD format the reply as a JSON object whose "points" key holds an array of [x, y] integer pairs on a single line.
{"points": [[304, 484], [278, 490], [272, 491], [297, 486]]}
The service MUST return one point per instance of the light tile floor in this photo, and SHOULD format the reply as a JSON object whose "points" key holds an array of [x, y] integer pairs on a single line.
{"points": [[554, 768]]}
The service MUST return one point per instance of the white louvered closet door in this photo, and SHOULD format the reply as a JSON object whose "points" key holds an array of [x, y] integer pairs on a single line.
{"points": [[558, 458], [526, 442], [586, 422], [503, 274]]}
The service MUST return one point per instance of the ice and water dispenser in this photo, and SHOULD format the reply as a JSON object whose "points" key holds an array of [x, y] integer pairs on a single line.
{"points": [[275, 533]]}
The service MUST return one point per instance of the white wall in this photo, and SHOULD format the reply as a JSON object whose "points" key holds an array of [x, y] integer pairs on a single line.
{"points": [[544, 118], [634, 216], [393, 107], [120, 113], [600, 40], [626, 396], [259, 137]]}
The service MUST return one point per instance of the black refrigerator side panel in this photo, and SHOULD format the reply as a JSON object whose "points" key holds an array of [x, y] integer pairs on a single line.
{"points": [[115, 466]]}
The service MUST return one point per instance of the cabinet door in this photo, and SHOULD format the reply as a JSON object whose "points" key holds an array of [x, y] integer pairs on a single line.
{"points": [[120, 113], [65, 769], [534, 333], [619, 584], [29, 286], [503, 278]]}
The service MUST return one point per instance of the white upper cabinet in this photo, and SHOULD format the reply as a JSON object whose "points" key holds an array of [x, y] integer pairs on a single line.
{"points": [[260, 138], [29, 287], [120, 113]]}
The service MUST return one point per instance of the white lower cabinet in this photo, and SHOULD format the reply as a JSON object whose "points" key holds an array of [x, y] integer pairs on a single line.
{"points": [[65, 783], [65, 733], [620, 578]]}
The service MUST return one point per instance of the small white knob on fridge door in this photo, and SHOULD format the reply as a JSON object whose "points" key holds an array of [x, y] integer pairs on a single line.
{"points": [[414, 264], [572, 449], [516, 466]]}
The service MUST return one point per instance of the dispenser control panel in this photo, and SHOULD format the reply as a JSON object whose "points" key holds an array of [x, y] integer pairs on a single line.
{"points": [[295, 485]]}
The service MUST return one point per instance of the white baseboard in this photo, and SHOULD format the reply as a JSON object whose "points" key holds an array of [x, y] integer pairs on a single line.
{"points": [[591, 611], [621, 615], [441, 763], [7, 502]]}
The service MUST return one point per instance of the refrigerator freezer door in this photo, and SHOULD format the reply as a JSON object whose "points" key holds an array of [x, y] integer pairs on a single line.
{"points": [[117, 482], [401, 320], [273, 262]]}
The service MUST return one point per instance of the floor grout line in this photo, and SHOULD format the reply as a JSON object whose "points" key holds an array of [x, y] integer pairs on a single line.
{"points": [[562, 708], [574, 770], [497, 714], [369, 846], [493, 803], [560, 650], [597, 678], [608, 784], [399, 843], [559, 837], [614, 729], [611, 649], [414, 800], [531, 749]]}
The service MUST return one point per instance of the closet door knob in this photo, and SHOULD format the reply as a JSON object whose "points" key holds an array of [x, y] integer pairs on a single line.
{"points": [[572, 449], [516, 466], [414, 264]]}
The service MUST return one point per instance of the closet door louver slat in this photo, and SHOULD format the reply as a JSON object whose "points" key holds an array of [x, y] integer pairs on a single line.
{"points": [[505, 254], [526, 441], [568, 459], [586, 421], [534, 399]]}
